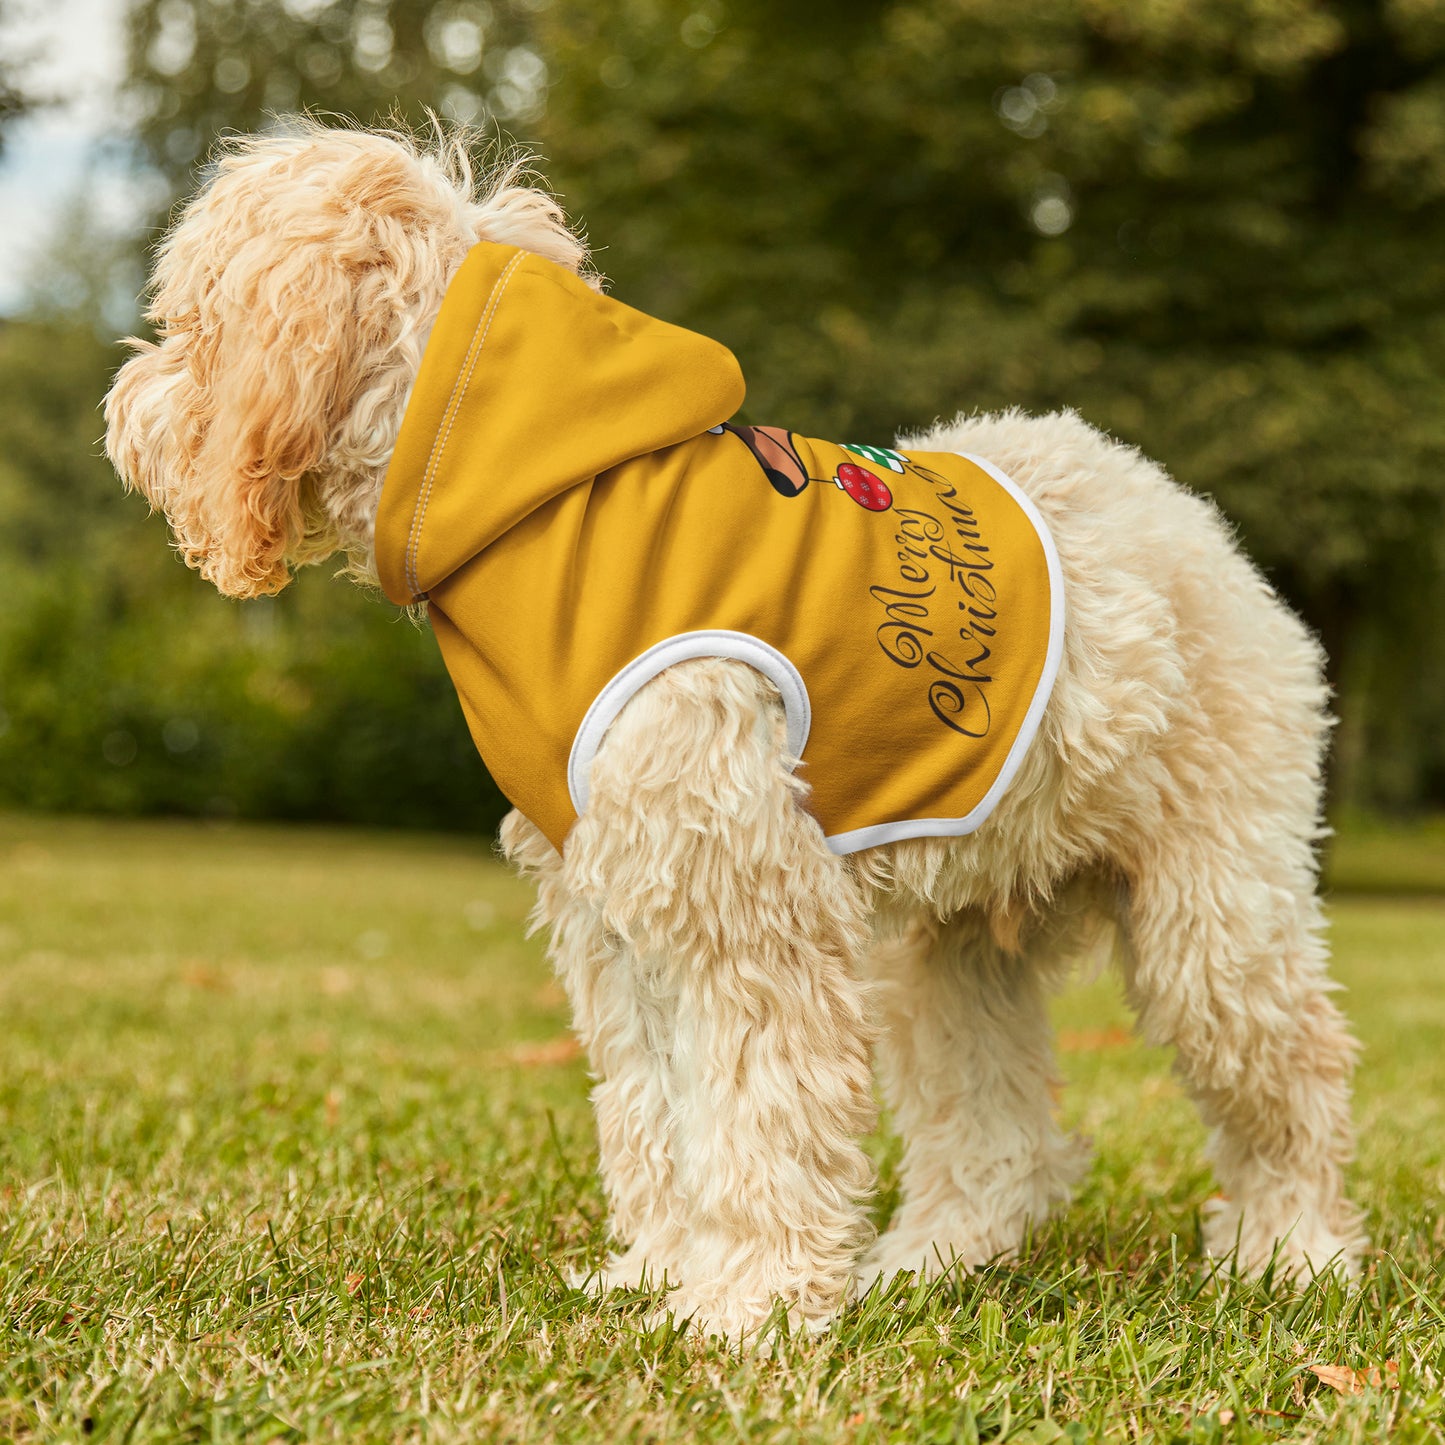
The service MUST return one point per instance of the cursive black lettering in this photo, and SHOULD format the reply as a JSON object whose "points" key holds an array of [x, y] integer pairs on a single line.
{"points": [[959, 567], [915, 526], [969, 672], [901, 636], [949, 703]]}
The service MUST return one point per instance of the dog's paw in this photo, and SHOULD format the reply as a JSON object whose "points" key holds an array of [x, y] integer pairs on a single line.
{"points": [[752, 1324], [633, 1270], [906, 1251], [881, 1271], [1299, 1246], [964, 1229]]}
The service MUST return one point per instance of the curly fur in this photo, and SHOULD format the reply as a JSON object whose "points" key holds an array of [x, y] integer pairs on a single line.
{"points": [[729, 976]]}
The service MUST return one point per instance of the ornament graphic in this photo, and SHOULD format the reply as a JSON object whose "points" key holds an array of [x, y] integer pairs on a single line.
{"points": [[879, 456], [772, 447], [776, 453], [865, 488]]}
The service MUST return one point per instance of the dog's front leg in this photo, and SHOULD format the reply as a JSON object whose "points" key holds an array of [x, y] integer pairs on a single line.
{"points": [[739, 931], [624, 1023]]}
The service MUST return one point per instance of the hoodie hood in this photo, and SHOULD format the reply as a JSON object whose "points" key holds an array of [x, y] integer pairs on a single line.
{"points": [[531, 384]]}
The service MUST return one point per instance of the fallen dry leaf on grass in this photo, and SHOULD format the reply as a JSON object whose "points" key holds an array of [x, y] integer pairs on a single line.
{"points": [[552, 1051], [1355, 1382], [1084, 1041], [195, 974], [551, 994]]}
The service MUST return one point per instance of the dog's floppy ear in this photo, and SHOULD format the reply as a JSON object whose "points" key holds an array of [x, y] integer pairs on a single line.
{"points": [[221, 423], [266, 333], [276, 368]]}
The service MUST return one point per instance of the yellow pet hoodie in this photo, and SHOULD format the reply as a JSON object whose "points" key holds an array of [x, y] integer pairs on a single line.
{"points": [[568, 498]]}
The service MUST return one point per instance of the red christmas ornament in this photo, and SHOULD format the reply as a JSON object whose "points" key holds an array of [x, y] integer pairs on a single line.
{"points": [[865, 488]]}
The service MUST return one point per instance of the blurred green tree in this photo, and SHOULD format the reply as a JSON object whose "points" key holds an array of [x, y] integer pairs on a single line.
{"points": [[127, 685], [1213, 226], [202, 67]]}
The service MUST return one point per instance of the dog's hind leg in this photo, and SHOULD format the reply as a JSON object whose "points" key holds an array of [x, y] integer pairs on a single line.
{"points": [[1228, 965], [966, 1062], [743, 931], [1226, 959]]}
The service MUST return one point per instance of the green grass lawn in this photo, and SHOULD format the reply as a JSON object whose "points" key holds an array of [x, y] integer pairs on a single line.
{"points": [[292, 1146]]}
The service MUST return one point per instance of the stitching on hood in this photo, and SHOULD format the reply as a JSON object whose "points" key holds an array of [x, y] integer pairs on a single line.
{"points": [[459, 388]]}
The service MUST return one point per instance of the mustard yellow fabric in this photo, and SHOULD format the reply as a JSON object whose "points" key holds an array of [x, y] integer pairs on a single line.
{"points": [[565, 498]]}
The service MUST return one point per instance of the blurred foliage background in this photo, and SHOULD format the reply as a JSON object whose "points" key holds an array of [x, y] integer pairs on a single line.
{"points": [[1214, 227]]}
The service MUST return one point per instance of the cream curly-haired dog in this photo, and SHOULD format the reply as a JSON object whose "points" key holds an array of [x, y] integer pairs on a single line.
{"points": [[730, 974]]}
